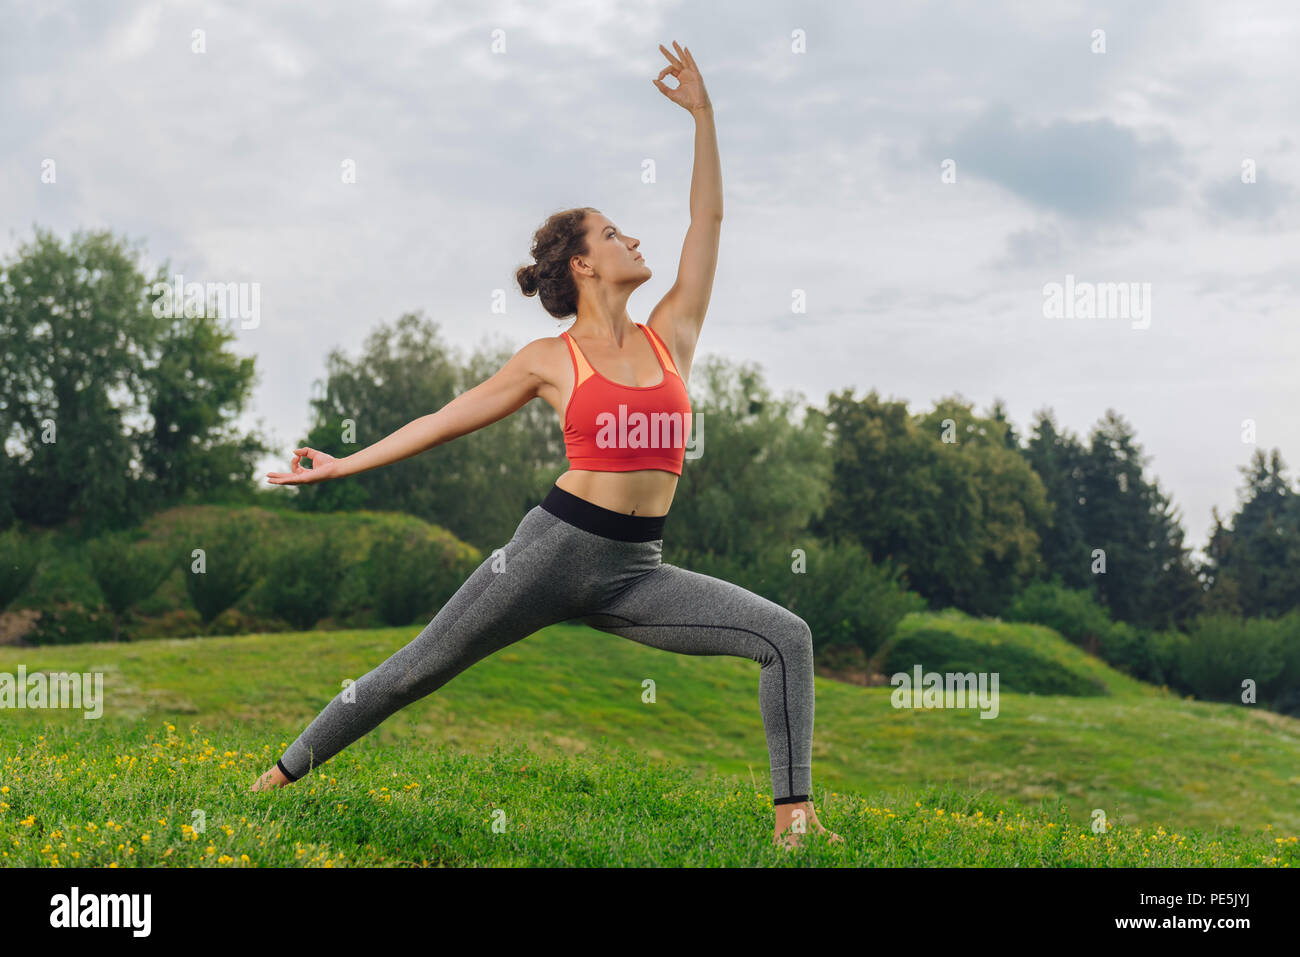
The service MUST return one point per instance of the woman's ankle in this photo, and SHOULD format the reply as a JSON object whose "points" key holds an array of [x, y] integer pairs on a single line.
{"points": [[798, 815]]}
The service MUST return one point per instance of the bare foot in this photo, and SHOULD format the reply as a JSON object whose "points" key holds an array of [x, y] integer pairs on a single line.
{"points": [[785, 833], [272, 778], [819, 830], [789, 840]]}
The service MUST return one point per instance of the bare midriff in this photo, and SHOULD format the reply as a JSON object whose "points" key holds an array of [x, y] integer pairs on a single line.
{"points": [[646, 492]]}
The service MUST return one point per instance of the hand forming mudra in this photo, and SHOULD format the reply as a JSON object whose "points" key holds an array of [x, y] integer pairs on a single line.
{"points": [[689, 92]]}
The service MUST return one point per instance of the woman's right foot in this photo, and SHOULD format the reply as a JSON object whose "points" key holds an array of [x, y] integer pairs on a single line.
{"points": [[791, 839]]}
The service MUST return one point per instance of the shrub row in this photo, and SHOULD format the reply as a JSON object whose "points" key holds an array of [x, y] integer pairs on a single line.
{"points": [[233, 570], [1219, 658]]}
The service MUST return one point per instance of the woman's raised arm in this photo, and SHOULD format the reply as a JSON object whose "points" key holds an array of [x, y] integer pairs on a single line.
{"points": [[680, 314]]}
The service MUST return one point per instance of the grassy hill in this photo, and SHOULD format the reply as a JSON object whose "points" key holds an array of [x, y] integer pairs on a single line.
{"points": [[550, 739]]}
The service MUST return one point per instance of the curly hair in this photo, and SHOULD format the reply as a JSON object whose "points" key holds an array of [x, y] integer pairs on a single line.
{"points": [[559, 239]]}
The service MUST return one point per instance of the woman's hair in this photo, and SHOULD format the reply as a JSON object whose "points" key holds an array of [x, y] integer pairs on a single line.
{"points": [[559, 239]]}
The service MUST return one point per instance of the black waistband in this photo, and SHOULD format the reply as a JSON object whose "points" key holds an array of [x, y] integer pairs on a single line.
{"points": [[591, 517]]}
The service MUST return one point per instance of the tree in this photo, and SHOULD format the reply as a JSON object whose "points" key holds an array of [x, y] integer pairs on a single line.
{"points": [[998, 413], [477, 485], [195, 391], [1177, 596], [1058, 459], [941, 493], [1253, 562], [1010, 503], [106, 409], [20, 557], [1150, 579], [76, 331]]}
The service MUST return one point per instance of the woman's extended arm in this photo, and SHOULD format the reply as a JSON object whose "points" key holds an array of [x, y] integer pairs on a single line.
{"points": [[510, 388]]}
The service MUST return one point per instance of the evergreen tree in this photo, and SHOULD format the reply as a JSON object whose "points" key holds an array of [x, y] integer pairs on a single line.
{"points": [[1253, 562], [1059, 458]]}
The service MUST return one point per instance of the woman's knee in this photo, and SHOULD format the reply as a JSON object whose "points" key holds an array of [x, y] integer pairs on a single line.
{"points": [[803, 635], [405, 688], [793, 638]]}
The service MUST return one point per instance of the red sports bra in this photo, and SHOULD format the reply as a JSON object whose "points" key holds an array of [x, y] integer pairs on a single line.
{"points": [[618, 428]]}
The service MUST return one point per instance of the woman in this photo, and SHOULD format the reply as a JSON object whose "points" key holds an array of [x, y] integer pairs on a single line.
{"points": [[591, 551]]}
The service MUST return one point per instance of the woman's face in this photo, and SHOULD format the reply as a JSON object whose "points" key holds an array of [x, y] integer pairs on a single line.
{"points": [[612, 254]]}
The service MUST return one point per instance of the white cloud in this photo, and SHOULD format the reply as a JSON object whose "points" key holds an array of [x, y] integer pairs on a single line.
{"points": [[138, 34]]}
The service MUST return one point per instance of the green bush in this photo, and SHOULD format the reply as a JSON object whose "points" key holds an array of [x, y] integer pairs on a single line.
{"points": [[228, 567], [1019, 669], [1211, 660], [1072, 612], [1224, 650], [847, 599], [1136, 652], [127, 573], [20, 556], [1164, 650], [65, 623], [224, 597], [1283, 692], [404, 571], [303, 579]]}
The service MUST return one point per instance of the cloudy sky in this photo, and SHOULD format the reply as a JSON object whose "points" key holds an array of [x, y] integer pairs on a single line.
{"points": [[922, 171]]}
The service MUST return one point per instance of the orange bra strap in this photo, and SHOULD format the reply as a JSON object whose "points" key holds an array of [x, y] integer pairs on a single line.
{"points": [[581, 367], [661, 349]]}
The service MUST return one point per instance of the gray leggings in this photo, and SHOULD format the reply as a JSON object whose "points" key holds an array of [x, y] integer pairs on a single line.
{"points": [[570, 559]]}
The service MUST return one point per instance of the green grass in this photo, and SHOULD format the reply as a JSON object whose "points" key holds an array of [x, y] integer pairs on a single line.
{"points": [[551, 739]]}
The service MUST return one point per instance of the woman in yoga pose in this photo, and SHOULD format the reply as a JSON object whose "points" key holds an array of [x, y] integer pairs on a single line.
{"points": [[591, 551]]}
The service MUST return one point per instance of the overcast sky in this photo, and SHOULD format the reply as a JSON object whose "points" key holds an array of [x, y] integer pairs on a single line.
{"points": [[836, 124]]}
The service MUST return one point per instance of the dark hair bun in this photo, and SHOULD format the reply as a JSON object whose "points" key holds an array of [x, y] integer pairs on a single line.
{"points": [[527, 278], [556, 242]]}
